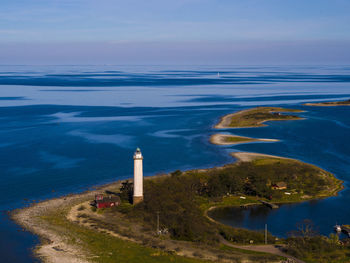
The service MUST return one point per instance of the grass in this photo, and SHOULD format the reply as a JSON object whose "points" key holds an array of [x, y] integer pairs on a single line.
{"points": [[174, 191], [257, 116], [238, 139], [183, 198], [330, 103], [319, 249], [105, 248], [250, 252], [98, 246], [227, 201]]}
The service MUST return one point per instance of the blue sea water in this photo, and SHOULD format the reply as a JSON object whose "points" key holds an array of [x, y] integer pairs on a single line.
{"points": [[66, 128]]}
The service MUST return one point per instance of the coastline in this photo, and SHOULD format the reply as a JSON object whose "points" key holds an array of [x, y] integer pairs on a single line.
{"points": [[325, 104], [52, 247], [55, 247], [225, 121], [221, 139]]}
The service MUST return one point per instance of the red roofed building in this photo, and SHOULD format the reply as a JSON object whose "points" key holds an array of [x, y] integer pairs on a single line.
{"points": [[105, 202]]}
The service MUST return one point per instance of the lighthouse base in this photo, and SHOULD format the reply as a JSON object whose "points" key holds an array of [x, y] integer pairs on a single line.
{"points": [[137, 199]]}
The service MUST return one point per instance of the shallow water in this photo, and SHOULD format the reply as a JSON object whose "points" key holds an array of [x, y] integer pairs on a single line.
{"points": [[63, 129]]}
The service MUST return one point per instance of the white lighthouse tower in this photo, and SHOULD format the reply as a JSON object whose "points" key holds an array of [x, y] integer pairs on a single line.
{"points": [[138, 177]]}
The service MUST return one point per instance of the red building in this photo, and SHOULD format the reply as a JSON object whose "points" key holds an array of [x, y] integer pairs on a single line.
{"points": [[106, 201]]}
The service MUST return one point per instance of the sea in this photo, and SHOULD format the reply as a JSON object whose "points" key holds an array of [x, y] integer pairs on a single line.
{"points": [[65, 129]]}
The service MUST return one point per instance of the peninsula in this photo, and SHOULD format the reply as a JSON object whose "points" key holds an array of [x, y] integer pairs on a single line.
{"points": [[330, 103], [72, 230], [255, 117]]}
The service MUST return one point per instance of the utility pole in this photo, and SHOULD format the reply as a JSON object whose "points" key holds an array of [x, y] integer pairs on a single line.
{"points": [[157, 222], [265, 234]]}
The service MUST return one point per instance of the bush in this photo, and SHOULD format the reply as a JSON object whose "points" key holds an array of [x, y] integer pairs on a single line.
{"points": [[197, 254], [241, 235], [81, 208]]}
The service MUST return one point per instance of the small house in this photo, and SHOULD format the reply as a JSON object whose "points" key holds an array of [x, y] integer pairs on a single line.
{"points": [[279, 186], [106, 201]]}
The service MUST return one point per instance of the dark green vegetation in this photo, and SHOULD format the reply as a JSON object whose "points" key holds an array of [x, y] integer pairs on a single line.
{"points": [[92, 235], [307, 244], [257, 116], [330, 103], [181, 197]]}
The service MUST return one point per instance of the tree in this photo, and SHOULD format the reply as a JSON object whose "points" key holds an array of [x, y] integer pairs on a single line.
{"points": [[126, 191]]}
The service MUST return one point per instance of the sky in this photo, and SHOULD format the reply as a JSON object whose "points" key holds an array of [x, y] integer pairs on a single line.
{"points": [[178, 32]]}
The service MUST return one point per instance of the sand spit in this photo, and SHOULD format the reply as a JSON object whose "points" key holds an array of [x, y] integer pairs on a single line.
{"points": [[54, 247], [221, 139]]}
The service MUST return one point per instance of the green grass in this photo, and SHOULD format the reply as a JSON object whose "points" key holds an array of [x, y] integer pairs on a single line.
{"points": [[238, 139], [183, 197], [331, 103], [227, 201], [108, 249], [250, 252], [182, 200], [256, 116], [104, 248], [319, 249]]}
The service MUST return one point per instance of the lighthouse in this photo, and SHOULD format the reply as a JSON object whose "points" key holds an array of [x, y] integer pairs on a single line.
{"points": [[138, 177]]}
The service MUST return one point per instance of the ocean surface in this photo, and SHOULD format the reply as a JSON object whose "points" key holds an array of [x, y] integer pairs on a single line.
{"points": [[64, 129]]}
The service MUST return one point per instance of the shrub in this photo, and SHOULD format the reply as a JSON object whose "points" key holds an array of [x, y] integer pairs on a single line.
{"points": [[81, 208]]}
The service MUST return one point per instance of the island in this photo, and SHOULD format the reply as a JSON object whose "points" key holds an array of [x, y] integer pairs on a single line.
{"points": [[256, 117], [330, 103], [172, 222], [227, 139]]}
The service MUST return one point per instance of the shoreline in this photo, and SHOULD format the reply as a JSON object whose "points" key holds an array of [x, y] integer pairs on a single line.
{"points": [[221, 139], [329, 103], [325, 104], [251, 156], [54, 245], [225, 121], [54, 248]]}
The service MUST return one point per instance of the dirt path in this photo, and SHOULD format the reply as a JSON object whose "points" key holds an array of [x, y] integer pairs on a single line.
{"points": [[272, 249]]}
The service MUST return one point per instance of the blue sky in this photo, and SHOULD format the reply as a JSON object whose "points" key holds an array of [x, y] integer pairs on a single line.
{"points": [[104, 29]]}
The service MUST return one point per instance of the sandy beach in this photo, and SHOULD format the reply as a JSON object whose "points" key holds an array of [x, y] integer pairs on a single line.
{"points": [[53, 247], [221, 139]]}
